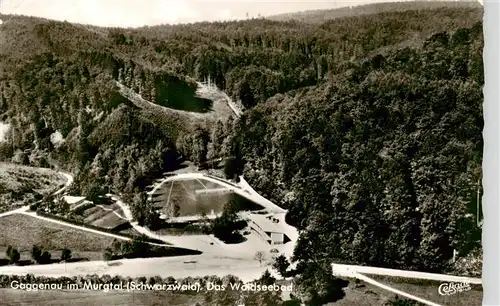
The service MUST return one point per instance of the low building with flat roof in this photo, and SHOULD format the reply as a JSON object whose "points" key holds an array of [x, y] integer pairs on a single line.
{"points": [[268, 228]]}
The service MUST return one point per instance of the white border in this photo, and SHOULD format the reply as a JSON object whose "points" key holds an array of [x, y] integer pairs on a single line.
{"points": [[491, 230]]}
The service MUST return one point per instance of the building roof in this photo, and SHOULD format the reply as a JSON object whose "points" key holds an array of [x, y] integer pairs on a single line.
{"points": [[265, 223], [73, 200]]}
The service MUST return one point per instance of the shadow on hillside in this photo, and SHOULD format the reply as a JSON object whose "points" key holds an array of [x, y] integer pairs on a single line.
{"points": [[158, 252], [234, 239], [27, 262], [76, 260], [24, 262], [114, 264], [177, 94]]}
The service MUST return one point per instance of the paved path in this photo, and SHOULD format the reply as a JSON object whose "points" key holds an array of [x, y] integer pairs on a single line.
{"points": [[398, 292], [68, 224], [69, 181], [177, 267], [213, 190]]}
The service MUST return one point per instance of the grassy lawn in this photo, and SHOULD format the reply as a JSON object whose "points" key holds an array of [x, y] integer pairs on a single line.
{"points": [[428, 290], [22, 232], [361, 294], [20, 184], [85, 297], [104, 216], [130, 231], [109, 221], [366, 295], [94, 213]]}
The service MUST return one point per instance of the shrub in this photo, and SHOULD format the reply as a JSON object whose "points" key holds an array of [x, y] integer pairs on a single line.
{"points": [[66, 254], [36, 253], [14, 255], [45, 258]]}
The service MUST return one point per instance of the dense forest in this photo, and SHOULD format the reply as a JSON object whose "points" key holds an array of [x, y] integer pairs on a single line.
{"points": [[320, 16], [367, 128]]}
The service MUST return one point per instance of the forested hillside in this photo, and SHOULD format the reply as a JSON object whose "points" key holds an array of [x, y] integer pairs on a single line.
{"points": [[367, 128], [388, 155], [320, 16]]}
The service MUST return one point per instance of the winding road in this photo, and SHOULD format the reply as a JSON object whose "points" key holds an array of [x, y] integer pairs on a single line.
{"points": [[26, 208]]}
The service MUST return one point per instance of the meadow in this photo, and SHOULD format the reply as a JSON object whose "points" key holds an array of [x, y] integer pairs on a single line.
{"points": [[22, 232], [427, 289], [21, 185]]}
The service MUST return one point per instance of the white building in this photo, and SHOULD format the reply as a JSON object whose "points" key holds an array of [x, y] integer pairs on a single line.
{"points": [[268, 228], [73, 201]]}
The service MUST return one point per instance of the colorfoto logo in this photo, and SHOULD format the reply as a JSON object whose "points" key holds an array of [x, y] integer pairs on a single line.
{"points": [[452, 288]]}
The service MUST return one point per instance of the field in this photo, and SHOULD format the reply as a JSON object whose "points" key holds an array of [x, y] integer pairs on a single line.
{"points": [[429, 290], [105, 216], [364, 294], [74, 298], [22, 232], [130, 231], [180, 198], [19, 185]]}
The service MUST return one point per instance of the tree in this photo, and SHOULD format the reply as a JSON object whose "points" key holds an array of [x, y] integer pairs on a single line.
{"points": [[317, 285], [65, 254], [231, 167], [125, 248], [14, 255], [402, 302], [107, 254], [225, 227], [281, 265], [200, 143], [267, 279], [153, 220], [259, 256], [140, 207], [211, 154], [116, 246], [245, 94], [140, 247], [8, 250], [45, 258], [36, 253]]}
